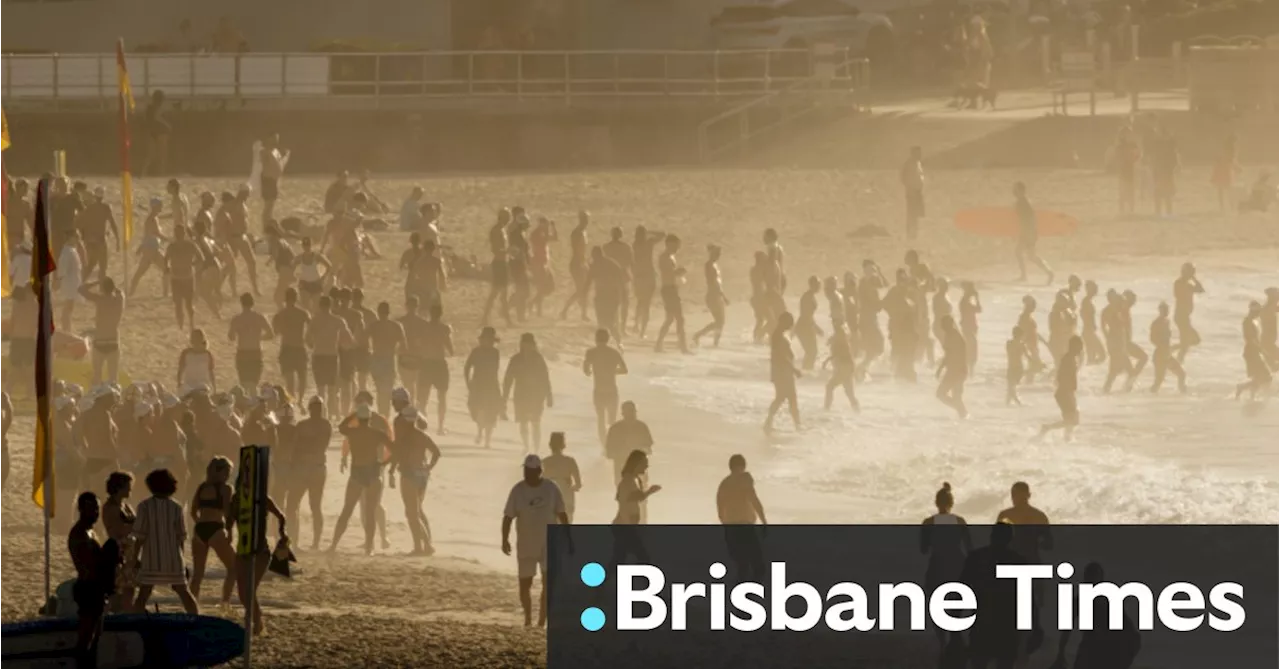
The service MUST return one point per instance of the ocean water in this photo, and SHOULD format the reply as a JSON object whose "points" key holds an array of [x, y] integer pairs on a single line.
{"points": [[1136, 458]]}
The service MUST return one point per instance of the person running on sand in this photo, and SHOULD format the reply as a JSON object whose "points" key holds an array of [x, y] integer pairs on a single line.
{"points": [[1094, 350], [617, 250], [96, 567], [563, 471], [292, 323], [739, 509], [310, 279], [409, 452], [349, 353], [436, 347], [1163, 359], [282, 258], [160, 534], [196, 366], [783, 373], [806, 328], [912, 177], [210, 508], [843, 368], [326, 333], [108, 309], [1028, 235], [626, 436], [604, 364], [209, 275], [368, 435], [518, 266], [179, 205], [166, 448], [368, 317], [273, 162], [578, 245], [1017, 359], [716, 300], [1185, 289], [1255, 362], [610, 281], [869, 308], [248, 329], [484, 391], [415, 333], [643, 274], [148, 250], [94, 222], [533, 504], [544, 281], [970, 308], [118, 518], [953, 369], [1065, 393], [311, 444], [632, 494], [527, 386], [944, 537], [498, 245], [386, 341], [182, 260], [430, 274]]}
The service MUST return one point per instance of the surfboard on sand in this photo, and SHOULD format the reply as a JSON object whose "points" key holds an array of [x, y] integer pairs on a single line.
{"points": [[132, 640], [1003, 222]]}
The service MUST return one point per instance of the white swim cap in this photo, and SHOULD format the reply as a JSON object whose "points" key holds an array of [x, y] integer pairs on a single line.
{"points": [[532, 461]]}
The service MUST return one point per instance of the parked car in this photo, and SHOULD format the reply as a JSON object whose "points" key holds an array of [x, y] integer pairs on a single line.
{"points": [[801, 24]]}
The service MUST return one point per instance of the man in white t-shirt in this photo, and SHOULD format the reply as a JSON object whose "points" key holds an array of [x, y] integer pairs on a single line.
{"points": [[533, 504]]}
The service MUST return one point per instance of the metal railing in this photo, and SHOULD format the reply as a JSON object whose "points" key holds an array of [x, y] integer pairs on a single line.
{"points": [[854, 97], [88, 80]]}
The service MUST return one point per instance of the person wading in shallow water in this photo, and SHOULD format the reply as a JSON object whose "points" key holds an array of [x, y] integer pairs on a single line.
{"points": [[604, 364], [533, 504], [782, 372]]}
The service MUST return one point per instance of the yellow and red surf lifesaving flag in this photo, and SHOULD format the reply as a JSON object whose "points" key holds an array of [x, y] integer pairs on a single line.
{"points": [[126, 107], [42, 267], [6, 283]]}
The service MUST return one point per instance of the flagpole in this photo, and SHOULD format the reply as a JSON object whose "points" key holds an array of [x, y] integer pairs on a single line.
{"points": [[44, 349], [125, 98]]}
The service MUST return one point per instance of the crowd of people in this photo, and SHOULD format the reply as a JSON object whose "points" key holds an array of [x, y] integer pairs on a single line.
{"points": [[374, 373]]}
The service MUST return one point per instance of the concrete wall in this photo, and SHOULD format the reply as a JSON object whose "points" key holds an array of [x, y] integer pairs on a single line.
{"points": [[645, 24], [92, 26]]}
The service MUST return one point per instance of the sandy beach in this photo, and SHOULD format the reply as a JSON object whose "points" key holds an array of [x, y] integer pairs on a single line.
{"points": [[1197, 458]]}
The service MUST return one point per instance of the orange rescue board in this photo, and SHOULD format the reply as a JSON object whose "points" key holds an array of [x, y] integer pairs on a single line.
{"points": [[1003, 222]]}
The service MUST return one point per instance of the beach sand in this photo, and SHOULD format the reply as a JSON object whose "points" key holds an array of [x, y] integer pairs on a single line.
{"points": [[1170, 459]]}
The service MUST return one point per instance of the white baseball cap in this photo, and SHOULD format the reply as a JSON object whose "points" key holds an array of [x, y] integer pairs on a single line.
{"points": [[532, 461]]}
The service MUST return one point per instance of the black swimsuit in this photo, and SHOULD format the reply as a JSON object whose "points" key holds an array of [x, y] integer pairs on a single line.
{"points": [[206, 529]]}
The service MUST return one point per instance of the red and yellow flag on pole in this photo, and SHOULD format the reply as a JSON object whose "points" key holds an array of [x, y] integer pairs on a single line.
{"points": [[6, 282], [41, 267], [126, 177]]}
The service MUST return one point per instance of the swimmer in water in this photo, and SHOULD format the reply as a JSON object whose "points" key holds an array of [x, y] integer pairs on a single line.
{"points": [[806, 329], [1163, 359], [842, 368], [671, 275], [1094, 350], [941, 305], [783, 372], [715, 300], [1128, 300], [1062, 324], [970, 309], [1113, 331], [1065, 394], [1185, 290], [1031, 338], [1255, 362], [953, 369], [1017, 359]]}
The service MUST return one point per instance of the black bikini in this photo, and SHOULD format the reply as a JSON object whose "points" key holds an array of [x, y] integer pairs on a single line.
{"points": [[206, 529]]}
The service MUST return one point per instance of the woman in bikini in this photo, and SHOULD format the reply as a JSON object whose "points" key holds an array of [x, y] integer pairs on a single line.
{"points": [[210, 506], [118, 518]]}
